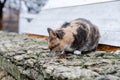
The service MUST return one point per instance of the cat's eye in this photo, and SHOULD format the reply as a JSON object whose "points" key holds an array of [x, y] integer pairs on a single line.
{"points": [[51, 38]]}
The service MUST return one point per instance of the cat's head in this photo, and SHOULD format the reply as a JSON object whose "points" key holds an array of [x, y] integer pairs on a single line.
{"points": [[55, 39]]}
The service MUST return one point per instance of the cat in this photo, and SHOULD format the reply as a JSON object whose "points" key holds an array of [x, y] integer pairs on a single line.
{"points": [[76, 36]]}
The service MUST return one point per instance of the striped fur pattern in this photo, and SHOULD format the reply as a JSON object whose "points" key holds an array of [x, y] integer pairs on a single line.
{"points": [[79, 34]]}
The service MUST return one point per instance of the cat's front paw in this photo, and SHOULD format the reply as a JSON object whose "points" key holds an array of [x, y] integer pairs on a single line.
{"points": [[77, 52]]}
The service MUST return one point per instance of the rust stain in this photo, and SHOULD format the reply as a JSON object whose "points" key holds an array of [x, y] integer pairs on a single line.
{"points": [[107, 48], [37, 36]]}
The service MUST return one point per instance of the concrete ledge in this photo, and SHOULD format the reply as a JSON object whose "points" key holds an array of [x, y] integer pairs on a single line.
{"points": [[27, 58]]}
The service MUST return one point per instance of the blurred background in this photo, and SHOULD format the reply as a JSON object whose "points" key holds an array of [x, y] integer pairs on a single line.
{"points": [[9, 15], [10, 12], [14, 13]]}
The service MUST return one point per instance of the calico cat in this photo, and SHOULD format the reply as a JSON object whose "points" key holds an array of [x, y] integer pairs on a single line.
{"points": [[76, 36]]}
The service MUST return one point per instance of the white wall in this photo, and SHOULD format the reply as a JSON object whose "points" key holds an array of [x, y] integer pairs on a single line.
{"points": [[68, 3]]}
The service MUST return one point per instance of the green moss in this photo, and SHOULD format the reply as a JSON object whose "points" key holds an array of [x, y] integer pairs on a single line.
{"points": [[111, 56], [11, 69], [42, 42]]}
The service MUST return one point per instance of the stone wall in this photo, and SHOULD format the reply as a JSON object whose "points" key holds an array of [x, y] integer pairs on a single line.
{"points": [[25, 58]]}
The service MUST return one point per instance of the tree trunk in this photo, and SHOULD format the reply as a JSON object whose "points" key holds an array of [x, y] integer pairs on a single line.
{"points": [[1, 18], [2, 4]]}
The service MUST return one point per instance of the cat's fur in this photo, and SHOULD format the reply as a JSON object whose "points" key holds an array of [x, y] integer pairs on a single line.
{"points": [[79, 34]]}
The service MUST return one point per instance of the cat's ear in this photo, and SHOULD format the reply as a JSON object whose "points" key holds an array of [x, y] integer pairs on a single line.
{"points": [[60, 34], [51, 32]]}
